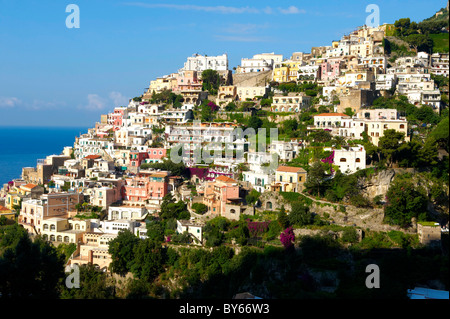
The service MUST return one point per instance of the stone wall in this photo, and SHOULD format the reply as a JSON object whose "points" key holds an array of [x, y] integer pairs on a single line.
{"points": [[252, 79]]}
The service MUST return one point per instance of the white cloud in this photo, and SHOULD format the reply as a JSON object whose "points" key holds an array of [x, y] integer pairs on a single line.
{"points": [[9, 101], [216, 9], [268, 10], [95, 102], [39, 105], [240, 38], [247, 28], [291, 10], [118, 99]]}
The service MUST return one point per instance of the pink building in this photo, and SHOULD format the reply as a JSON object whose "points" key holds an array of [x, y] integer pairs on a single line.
{"points": [[331, 69], [218, 194], [145, 186], [155, 155], [115, 118], [136, 158], [189, 82]]}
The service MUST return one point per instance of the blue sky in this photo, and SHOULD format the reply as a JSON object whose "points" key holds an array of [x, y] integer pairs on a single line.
{"points": [[51, 75]]}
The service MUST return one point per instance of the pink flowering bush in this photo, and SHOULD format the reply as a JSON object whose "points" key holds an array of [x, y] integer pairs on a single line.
{"points": [[287, 237], [257, 228], [213, 106]]}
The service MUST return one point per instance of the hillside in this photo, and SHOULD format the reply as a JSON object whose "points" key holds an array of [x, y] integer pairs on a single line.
{"points": [[407, 37], [441, 15]]}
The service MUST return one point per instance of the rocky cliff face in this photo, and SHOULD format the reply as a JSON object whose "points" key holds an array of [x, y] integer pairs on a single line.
{"points": [[379, 183]]}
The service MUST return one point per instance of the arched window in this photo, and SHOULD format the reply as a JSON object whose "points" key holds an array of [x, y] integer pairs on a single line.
{"points": [[358, 160], [232, 211], [343, 160], [59, 238], [269, 205], [52, 227], [52, 237], [45, 226]]}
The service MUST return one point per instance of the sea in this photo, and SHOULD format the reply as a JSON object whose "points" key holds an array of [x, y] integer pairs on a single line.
{"points": [[23, 146]]}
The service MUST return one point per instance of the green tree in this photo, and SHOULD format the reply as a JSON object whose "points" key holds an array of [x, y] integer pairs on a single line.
{"points": [[440, 134], [389, 144], [348, 111], [404, 201], [211, 81], [28, 269], [155, 231], [148, 260], [402, 25], [255, 123], [283, 219], [315, 178], [349, 235], [94, 284], [420, 42], [121, 249], [300, 215], [200, 208]]}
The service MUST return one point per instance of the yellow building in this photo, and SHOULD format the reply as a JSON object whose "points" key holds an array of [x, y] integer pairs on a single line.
{"points": [[289, 179], [7, 213], [286, 71], [13, 199], [375, 129]]}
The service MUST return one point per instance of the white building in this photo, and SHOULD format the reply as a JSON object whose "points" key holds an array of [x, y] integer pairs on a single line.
{"points": [[261, 171], [349, 159], [439, 64], [115, 226], [193, 228], [292, 102], [385, 81], [255, 65], [308, 72], [286, 150], [201, 63], [125, 212]]}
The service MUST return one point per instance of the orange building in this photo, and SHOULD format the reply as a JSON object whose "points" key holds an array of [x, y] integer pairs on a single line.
{"points": [[224, 190]]}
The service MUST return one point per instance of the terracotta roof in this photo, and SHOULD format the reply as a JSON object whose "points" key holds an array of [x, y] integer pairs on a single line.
{"points": [[3, 208], [29, 186], [93, 156], [332, 114], [225, 179], [290, 169]]}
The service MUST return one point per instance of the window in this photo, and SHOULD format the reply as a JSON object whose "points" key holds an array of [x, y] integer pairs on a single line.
{"points": [[358, 160], [343, 160]]}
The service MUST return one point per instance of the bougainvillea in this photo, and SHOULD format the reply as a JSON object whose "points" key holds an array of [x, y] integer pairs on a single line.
{"points": [[287, 237], [257, 228], [213, 106], [329, 160]]}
